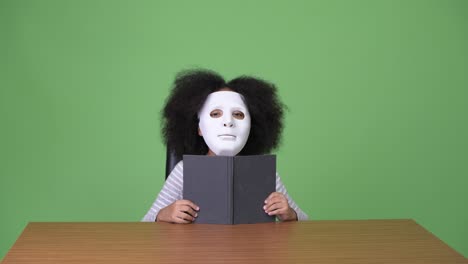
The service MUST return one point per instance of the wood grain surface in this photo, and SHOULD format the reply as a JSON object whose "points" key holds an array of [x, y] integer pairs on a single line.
{"points": [[354, 241]]}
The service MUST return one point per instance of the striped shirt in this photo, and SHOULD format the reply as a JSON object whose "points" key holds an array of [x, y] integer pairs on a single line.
{"points": [[173, 190]]}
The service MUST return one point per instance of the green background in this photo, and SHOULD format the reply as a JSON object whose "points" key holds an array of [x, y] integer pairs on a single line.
{"points": [[377, 95]]}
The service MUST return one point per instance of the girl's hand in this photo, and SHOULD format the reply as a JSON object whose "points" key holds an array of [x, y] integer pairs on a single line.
{"points": [[180, 211], [277, 204]]}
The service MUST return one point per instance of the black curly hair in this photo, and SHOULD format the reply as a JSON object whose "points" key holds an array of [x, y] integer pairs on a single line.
{"points": [[188, 94]]}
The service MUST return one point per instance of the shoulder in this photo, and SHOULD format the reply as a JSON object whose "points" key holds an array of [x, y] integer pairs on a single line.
{"points": [[180, 164], [179, 168], [177, 172]]}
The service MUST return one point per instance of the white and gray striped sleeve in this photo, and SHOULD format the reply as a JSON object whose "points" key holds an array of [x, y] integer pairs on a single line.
{"points": [[301, 216], [170, 192]]}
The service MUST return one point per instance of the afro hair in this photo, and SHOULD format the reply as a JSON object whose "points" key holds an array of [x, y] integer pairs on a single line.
{"points": [[188, 94]]}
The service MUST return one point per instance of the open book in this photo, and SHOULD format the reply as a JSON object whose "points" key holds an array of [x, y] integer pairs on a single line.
{"points": [[230, 190]]}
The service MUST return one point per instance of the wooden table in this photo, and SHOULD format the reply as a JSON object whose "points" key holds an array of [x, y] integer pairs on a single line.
{"points": [[367, 241]]}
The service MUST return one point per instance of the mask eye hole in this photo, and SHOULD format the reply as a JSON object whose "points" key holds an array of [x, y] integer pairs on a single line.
{"points": [[216, 113], [238, 115]]}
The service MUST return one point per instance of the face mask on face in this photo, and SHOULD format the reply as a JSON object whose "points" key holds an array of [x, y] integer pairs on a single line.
{"points": [[225, 123]]}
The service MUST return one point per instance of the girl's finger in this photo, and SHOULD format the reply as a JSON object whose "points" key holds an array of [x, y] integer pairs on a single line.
{"points": [[190, 203], [185, 216], [278, 211], [187, 209], [274, 206], [274, 201], [271, 196]]}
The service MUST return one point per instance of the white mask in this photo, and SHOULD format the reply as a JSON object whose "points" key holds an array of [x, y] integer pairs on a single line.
{"points": [[225, 123]]}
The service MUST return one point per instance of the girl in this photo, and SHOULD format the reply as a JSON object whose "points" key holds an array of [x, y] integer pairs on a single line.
{"points": [[204, 115]]}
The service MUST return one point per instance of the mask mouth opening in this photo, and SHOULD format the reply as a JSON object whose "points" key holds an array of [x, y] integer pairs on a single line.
{"points": [[227, 137]]}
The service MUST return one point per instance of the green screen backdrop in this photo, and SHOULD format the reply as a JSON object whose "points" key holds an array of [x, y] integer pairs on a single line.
{"points": [[377, 124]]}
